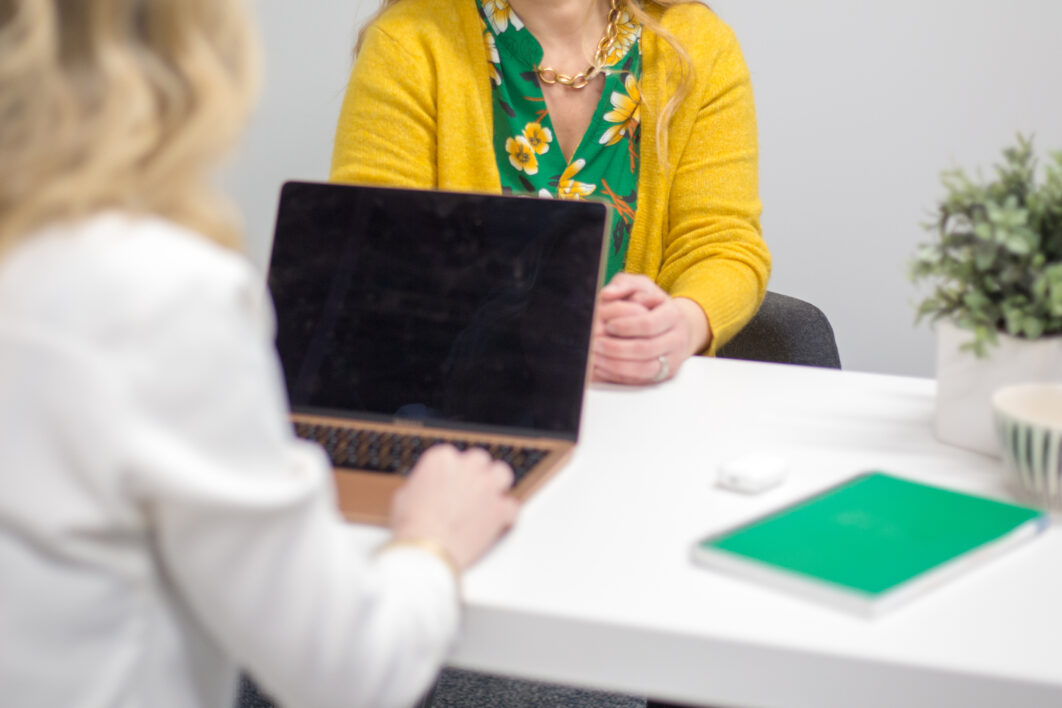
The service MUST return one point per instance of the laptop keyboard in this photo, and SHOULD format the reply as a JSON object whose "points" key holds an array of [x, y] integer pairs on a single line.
{"points": [[396, 453]]}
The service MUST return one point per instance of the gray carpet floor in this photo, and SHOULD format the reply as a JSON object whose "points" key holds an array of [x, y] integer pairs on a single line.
{"points": [[465, 689]]}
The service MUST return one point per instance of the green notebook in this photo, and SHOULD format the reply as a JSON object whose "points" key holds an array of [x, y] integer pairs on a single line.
{"points": [[871, 542]]}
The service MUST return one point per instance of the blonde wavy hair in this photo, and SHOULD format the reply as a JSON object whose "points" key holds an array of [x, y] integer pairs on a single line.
{"points": [[125, 104], [683, 82]]}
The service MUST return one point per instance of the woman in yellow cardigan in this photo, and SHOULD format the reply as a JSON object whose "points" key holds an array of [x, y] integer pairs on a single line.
{"points": [[646, 105]]}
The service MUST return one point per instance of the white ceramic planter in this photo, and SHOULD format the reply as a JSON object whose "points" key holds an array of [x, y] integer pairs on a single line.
{"points": [[965, 384]]}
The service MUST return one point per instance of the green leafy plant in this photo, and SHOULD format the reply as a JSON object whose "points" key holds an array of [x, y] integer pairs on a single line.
{"points": [[995, 264]]}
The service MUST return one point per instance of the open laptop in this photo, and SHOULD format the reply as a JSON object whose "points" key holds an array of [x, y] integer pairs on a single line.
{"points": [[407, 318]]}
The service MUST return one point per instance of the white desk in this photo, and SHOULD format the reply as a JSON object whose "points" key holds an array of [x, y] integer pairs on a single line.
{"points": [[594, 586]]}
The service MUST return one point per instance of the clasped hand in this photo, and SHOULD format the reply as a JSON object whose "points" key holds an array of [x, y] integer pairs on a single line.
{"points": [[638, 326]]}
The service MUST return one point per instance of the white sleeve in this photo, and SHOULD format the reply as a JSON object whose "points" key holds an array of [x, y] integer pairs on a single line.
{"points": [[245, 522]]}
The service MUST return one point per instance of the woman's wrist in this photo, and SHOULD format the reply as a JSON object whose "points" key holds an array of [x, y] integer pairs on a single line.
{"points": [[427, 545], [697, 326]]}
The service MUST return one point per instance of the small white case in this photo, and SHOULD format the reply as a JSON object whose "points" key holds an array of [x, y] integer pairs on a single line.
{"points": [[752, 474]]}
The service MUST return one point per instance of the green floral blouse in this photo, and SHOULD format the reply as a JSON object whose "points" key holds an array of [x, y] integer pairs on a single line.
{"points": [[605, 163]]}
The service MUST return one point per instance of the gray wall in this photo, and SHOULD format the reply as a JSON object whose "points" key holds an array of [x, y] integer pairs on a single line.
{"points": [[860, 105]]}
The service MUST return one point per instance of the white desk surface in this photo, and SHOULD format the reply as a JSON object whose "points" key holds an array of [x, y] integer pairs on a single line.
{"points": [[594, 586]]}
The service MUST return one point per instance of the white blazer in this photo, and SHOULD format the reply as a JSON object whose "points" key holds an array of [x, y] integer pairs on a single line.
{"points": [[160, 526]]}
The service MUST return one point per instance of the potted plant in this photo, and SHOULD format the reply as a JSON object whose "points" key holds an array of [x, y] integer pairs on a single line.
{"points": [[995, 271]]}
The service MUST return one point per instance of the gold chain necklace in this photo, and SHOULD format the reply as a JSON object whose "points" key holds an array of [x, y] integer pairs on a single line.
{"points": [[549, 75]]}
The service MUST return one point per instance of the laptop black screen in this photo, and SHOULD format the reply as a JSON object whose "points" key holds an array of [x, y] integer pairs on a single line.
{"points": [[434, 306]]}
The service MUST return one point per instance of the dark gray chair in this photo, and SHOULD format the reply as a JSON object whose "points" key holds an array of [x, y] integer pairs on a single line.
{"points": [[786, 330]]}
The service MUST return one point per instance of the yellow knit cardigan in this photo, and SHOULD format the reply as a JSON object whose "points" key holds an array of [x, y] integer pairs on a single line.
{"points": [[417, 113]]}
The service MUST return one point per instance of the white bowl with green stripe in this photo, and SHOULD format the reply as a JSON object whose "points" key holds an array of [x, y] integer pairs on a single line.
{"points": [[1029, 426]]}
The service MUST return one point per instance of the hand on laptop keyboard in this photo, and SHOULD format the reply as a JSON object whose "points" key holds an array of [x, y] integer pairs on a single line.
{"points": [[456, 499]]}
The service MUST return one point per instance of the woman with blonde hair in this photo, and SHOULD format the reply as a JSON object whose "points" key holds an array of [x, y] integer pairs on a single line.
{"points": [[159, 523], [646, 105]]}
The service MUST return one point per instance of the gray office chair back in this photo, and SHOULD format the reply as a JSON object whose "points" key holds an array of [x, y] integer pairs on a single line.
{"points": [[786, 330]]}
